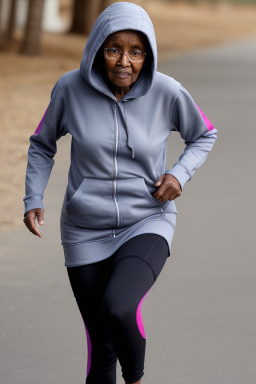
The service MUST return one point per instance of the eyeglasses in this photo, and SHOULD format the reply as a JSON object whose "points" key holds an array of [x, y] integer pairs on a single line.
{"points": [[115, 54]]}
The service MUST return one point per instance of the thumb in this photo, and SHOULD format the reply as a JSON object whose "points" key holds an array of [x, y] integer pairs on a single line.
{"points": [[40, 216], [159, 181]]}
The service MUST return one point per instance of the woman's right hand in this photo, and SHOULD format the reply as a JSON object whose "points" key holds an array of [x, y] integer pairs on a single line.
{"points": [[30, 220]]}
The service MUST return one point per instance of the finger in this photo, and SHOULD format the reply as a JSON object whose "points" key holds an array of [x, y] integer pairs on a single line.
{"points": [[159, 181], [34, 229], [169, 193], [31, 224], [160, 193], [40, 216], [165, 196]]}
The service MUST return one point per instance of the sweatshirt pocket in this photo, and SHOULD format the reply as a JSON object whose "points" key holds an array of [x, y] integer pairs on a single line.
{"points": [[92, 205], [135, 201]]}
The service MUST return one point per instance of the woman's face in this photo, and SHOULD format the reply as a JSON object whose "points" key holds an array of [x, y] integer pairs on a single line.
{"points": [[123, 73]]}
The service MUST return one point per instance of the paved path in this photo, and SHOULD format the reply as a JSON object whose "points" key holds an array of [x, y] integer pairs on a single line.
{"points": [[200, 315]]}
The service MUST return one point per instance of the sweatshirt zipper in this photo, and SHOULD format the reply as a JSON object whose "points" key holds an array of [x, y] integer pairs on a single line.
{"points": [[115, 159]]}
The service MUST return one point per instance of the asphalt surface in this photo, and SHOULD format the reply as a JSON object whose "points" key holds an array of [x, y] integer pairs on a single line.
{"points": [[200, 315]]}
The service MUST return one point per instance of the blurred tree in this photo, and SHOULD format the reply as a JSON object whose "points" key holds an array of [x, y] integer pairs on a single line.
{"points": [[32, 40], [1, 34], [85, 13], [1, 5], [7, 32], [11, 19]]}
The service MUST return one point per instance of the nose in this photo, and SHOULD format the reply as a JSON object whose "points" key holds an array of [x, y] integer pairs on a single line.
{"points": [[124, 60]]}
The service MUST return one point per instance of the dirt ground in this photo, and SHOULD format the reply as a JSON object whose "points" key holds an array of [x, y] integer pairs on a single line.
{"points": [[26, 82]]}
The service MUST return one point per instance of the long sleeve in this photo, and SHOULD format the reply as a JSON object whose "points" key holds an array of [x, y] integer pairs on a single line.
{"points": [[197, 132], [43, 148]]}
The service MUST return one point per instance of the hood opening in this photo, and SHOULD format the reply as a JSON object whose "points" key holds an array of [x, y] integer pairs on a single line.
{"points": [[98, 65]]}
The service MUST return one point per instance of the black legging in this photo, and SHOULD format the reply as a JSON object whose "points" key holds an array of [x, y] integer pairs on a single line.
{"points": [[109, 295]]}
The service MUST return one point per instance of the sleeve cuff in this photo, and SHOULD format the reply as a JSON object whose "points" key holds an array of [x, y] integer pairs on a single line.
{"points": [[33, 202], [180, 173]]}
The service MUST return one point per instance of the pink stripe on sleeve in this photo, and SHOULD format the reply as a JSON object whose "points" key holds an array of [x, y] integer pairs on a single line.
{"points": [[206, 120], [40, 124]]}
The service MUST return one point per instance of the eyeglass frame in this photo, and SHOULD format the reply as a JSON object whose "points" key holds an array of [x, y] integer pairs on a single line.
{"points": [[122, 53]]}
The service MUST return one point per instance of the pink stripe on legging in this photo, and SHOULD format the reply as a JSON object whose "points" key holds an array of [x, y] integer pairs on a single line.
{"points": [[139, 318], [89, 350], [206, 120], [40, 124]]}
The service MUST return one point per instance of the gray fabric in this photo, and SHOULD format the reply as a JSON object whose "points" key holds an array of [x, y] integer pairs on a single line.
{"points": [[118, 148]]}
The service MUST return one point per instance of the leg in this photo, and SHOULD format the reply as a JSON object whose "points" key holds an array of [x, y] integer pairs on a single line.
{"points": [[137, 265], [88, 284]]}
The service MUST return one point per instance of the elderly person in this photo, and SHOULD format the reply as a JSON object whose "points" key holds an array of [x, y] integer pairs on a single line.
{"points": [[118, 215]]}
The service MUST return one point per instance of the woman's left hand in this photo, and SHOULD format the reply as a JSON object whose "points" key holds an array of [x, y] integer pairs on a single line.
{"points": [[169, 188]]}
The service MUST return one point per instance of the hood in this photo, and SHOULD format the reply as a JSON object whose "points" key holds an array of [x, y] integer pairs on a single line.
{"points": [[119, 16]]}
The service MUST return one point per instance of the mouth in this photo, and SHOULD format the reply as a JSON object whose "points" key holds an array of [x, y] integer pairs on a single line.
{"points": [[122, 75]]}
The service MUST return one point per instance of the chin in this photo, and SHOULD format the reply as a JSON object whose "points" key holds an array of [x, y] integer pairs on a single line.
{"points": [[125, 85], [122, 84]]}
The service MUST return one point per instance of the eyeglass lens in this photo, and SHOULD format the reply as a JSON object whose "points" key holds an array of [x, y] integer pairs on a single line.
{"points": [[135, 55]]}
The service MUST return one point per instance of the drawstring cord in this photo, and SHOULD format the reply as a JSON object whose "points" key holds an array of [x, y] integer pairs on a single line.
{"points": [[129, 142]]}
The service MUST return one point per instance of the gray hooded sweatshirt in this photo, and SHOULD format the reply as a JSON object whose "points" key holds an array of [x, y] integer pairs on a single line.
{"points": [[118, 148]]}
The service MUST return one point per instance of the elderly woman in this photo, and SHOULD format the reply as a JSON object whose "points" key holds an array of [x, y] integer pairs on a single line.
{"points": [[118, 215]]}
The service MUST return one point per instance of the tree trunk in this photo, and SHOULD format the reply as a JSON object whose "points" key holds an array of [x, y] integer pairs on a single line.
{"points": [[11, 20], [1, 9], [1, 32], [32, 39], [85, 13]]}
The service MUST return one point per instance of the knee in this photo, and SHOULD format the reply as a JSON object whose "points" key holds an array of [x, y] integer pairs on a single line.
{"points": [[117, 312]]}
